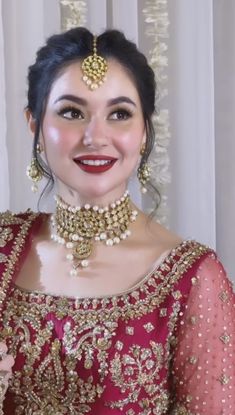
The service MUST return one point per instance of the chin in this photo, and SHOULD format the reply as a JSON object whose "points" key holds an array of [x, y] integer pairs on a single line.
{"points": [[92, 191], [102, 194]]}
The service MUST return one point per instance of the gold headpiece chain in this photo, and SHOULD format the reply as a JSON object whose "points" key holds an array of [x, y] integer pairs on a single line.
{"points": [[94, 68]]}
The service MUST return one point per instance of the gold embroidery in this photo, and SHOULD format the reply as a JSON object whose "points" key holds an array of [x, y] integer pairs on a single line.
{"points": [[119, 345], [56, 380], [192, 360], [130, 330], [5, 236], [177, 295], [194, 280], [149, 327], [137, 370], [181, 410], [56, 375], [3, 258], [224, 296], [163, 312], [8, 218], [225, 338], [224, 379]]}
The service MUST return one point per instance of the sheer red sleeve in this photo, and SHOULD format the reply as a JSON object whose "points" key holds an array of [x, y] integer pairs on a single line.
{"points": [[204, 356]]}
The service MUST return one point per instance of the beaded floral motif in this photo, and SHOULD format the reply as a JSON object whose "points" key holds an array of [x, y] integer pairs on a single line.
{"points": [[3, 258], [8, 218], [5, 236], [137, 374]]}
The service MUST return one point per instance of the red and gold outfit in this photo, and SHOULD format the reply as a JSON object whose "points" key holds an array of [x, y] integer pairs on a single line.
{"points": [[166, 346]]}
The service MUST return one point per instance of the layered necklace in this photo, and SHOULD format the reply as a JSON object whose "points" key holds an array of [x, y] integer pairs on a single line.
{"points": [[79, 227]]}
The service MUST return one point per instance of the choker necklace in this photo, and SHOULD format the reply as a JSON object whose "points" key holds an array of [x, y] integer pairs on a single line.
{"points": [[77, 228]]}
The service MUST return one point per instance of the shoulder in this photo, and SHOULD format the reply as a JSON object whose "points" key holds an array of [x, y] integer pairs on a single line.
{"points": [[195, 248], [15, 236], [208, 279], [190, 254], [9, 218], [168, 240], [14, 227], [15, 230]]}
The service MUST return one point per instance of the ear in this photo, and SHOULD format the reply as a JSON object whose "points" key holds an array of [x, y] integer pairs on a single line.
{"points": [[30, 121], [143, 143]]}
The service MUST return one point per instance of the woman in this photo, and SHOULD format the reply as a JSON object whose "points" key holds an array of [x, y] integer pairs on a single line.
{"points": [[103, 310]]}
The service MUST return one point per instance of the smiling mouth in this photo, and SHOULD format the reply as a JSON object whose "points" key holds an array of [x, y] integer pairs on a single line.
{"points": [[95, 164]]}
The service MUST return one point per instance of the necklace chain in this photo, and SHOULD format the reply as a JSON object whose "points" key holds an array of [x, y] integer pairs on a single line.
{"points": [[79, 227]]}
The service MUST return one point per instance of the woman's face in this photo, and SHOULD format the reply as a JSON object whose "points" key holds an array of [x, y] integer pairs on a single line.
{"points": [[92, 139]]}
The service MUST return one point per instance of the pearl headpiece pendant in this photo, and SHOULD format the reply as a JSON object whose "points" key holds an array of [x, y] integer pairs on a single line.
{"points": [[78, 228]]}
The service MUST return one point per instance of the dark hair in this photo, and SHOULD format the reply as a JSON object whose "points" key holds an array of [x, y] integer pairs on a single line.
{"points": [[65, 48]]}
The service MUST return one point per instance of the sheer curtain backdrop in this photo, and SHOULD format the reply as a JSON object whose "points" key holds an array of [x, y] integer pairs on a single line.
{"points": [[201, 85]]}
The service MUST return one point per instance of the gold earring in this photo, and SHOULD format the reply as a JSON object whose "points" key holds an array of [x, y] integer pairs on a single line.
{"points": [[142, 150], [94, 68], [143, 172], [34, 171]]}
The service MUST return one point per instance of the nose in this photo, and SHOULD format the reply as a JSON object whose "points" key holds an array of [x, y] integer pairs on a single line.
{"points": [[95, 134]]}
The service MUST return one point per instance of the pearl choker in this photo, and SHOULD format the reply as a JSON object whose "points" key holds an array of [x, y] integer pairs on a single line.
{"points": [[77, 228]]}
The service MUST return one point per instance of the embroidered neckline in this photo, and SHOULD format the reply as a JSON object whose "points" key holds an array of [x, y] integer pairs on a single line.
{"points": [[170, 269], [152, 287], [134, 287]]}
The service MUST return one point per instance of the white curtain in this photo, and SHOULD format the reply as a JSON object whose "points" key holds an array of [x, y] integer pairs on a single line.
{"points": [[4, 171], [201, 102]]}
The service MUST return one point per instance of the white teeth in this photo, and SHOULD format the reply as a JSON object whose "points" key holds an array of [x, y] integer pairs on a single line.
{"points": [[95, 162]]}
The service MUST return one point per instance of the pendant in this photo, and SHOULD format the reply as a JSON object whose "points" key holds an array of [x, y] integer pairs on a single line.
{"points": [[82, 250]]}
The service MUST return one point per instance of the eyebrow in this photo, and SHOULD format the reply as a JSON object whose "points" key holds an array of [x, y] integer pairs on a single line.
{"points": [[120, 100], [82, 101]]}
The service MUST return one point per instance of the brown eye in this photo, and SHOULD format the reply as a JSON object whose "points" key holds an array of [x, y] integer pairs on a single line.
{"points": [[120, 115], [71, 113]]}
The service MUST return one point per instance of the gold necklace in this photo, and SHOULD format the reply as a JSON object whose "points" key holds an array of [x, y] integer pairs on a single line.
{"points": [[77, 228]]}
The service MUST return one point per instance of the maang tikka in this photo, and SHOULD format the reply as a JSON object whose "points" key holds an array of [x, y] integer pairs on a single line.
{"points": [[94, 68], [34, 171], [143, 172]]}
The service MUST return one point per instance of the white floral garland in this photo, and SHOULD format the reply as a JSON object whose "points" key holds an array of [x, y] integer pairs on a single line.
{"points": [[73, 13], [156, 17]]}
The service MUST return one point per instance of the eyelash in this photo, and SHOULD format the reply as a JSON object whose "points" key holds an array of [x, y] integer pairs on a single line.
{"points": [[126, 114], [70, 109], [76, 113]]}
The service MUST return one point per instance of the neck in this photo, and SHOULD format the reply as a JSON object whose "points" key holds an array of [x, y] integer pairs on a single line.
{"points": [[78, 227], [73, 198], [84, 207]]}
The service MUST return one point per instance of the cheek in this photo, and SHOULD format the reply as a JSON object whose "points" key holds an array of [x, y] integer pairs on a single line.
{"points": [[57, 139], [129, 142]]}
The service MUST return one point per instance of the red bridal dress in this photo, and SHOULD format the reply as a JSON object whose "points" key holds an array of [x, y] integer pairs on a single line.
{"points": [[166, 346]]}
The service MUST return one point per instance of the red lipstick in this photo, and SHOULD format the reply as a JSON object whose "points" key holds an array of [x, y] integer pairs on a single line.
{"points": [[98, 163]]}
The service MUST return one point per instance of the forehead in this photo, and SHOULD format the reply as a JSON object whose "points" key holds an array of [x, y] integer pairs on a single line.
{"points": [[118, 83]]}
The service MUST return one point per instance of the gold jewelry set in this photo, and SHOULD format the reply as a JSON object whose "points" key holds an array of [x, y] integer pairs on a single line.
{"points": [[78, 228]]}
